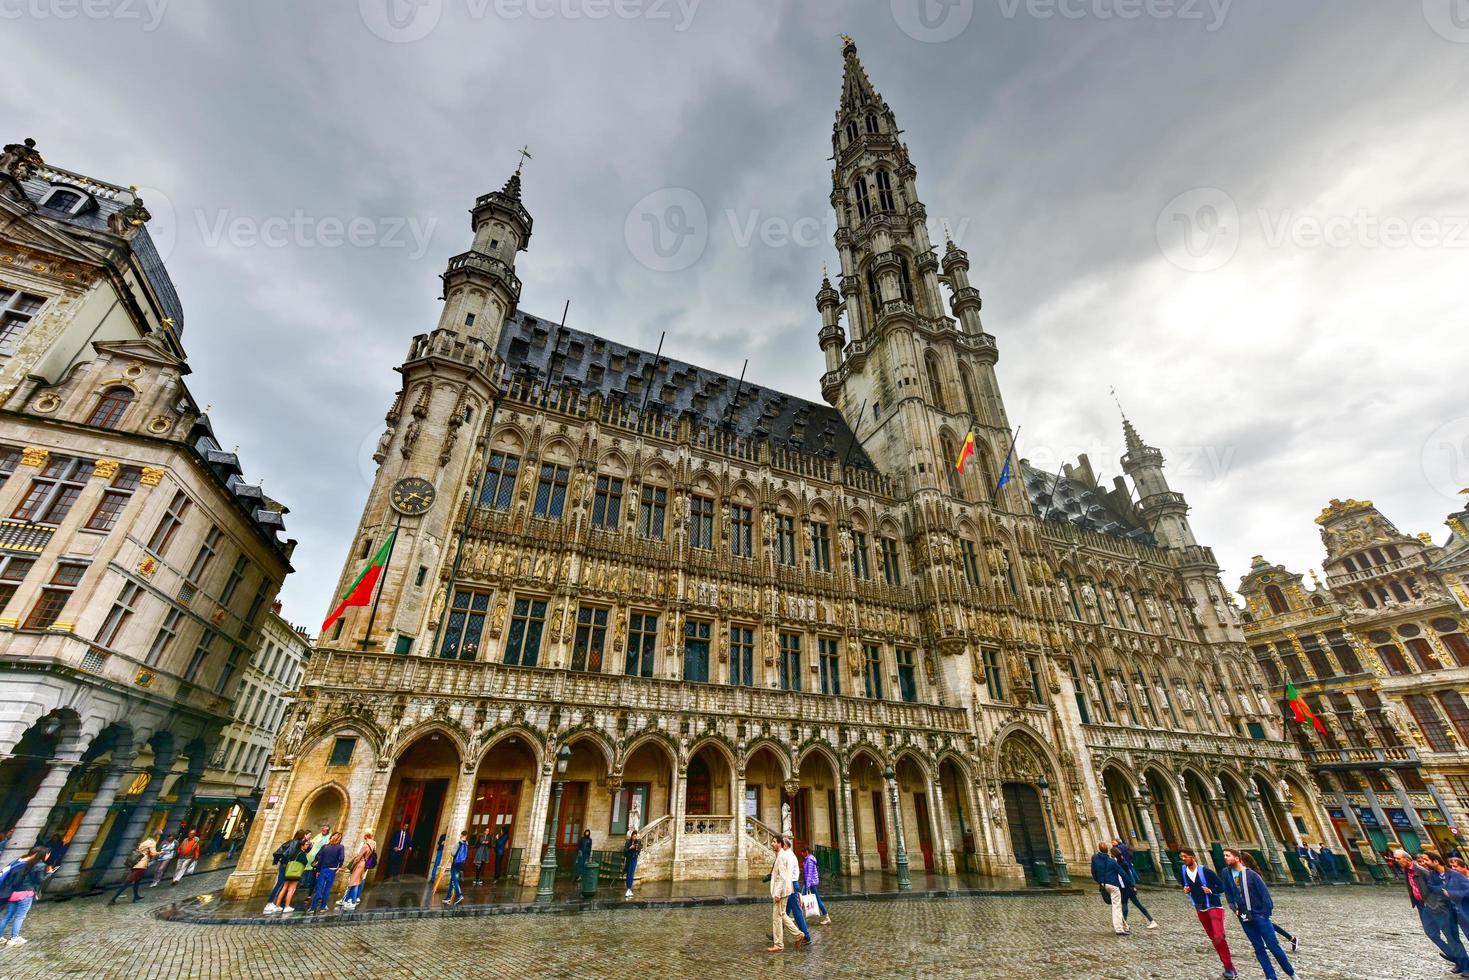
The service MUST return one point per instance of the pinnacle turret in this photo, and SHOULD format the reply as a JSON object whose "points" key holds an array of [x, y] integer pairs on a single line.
{"points": [[857, 90]]}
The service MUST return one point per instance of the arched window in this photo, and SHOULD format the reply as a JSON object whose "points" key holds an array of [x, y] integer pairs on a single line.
{"points": [[874, 295], [905, 279], [872, 122], [852, 131], [946, 446], [1399, 591], [967, 384], [884, 192], [935, 380], [110, 406], [859, 190], [67, 201], [1276, 598]]}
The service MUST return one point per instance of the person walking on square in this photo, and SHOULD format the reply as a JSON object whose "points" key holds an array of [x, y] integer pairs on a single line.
{"points": [[630, 852], [1427, 892], [1250, 899], [138, 862], [398, 847], [583, 854], [166, 853], [457, 861], [502, 849], [282, 857], [188, 857], [1328, 861], [330, 858], [1456, 886], [19, 883], [1107, 873], [1129, 889], [481, 858], [1126, 858], [362, 862], [1206, 892], [793, 901], [780, 892], [1248, 860], [811, 873]]}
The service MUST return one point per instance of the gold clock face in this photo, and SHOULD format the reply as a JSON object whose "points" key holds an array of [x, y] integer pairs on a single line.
{"points": [[412, 496]]}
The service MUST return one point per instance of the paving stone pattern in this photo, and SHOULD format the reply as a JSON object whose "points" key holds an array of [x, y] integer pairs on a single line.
{"points": [[1346, 933]]}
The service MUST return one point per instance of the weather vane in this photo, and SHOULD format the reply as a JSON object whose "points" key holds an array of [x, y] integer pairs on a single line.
{"points": [[1113, 392], [524, 156]]}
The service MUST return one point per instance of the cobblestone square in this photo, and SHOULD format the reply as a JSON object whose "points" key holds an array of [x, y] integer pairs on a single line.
{"points": [[1345, 933]]}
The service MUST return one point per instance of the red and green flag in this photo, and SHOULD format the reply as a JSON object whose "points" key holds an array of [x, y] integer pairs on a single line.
{"points": [[1301, 709], [360, 592]]}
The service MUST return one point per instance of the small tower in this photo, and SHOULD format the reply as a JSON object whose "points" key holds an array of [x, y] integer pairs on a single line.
{"points": [[432, 430], [1165, 511]]}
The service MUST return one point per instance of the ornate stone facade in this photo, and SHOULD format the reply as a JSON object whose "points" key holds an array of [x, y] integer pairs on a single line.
{"points": [[136, 564], [731, 613], [1380, 654]]}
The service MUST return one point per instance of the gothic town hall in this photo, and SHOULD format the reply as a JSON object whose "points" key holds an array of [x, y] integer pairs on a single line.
{"points": [[707, 609]]}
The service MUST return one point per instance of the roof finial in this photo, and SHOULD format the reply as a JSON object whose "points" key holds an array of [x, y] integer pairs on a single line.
{"points": [[524, 156], [1113, 392]]}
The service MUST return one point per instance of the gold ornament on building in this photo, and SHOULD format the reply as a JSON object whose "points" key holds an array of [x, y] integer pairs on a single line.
{"points": [[152, 476], [34, 456], [106, 469]]}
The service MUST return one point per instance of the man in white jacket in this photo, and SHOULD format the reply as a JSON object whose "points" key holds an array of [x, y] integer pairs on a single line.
{"points": [[782, 873]]}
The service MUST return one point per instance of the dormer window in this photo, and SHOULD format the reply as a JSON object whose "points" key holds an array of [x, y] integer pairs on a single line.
{"points": [[110, 407], [66, 201], [872, 122]]}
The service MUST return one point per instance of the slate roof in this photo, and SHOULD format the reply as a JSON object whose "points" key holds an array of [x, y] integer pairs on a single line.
{"points": [[620, 372], [106, 200], [1072, 499]]}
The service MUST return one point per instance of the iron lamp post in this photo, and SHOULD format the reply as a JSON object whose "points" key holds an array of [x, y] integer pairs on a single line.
{"points": [[1063, 873], [904, 882], [547, 889]]}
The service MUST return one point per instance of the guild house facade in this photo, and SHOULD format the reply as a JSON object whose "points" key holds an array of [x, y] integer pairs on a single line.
{"points": [[628, 591], [1380, 654], [137, 565]]}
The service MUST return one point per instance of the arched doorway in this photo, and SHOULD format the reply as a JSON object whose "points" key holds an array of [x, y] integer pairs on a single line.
{"points": [[814, 809], [327, 806], [504, 791], [1276, 819], [1205, 816], [765, 797], [1170, 822], [1021, 766], [418, 794], [1241, 826], [22, 772], [959, 816], [917, 812], [869, 813], [1124, 811]]}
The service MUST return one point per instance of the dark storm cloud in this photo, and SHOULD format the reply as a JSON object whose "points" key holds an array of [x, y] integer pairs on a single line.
{"points": [[1137, 195]]}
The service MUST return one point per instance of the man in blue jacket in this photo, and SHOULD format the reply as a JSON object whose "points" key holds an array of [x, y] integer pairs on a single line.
{"points": [[456, 870], [1206, 892], [1107, 873], [1427, 891], [1250, 899]]}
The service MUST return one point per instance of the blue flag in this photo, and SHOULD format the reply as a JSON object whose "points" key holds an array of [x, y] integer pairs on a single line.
{"points": [[1004, 474]]}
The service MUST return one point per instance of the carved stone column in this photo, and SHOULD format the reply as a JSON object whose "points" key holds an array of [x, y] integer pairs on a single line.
{"points": [[536, 837], [141, 813], [32, 822], [852, 859], [70, 873], [1270, 846], [939, 818]]}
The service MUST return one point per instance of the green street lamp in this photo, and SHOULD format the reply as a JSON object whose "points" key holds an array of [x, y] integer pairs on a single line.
{"points": [[904, 882], [547, 889], [1063, 873]]}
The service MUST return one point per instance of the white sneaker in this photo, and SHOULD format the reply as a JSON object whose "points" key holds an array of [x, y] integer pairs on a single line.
{"points": [[288, 910], [1152, 925], [628, 894], [270, 909], [19, 941]]}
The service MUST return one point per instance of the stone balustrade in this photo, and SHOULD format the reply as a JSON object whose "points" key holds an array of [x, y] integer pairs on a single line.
{"points": [[479, 679], [704, 824], [1201, 743]]}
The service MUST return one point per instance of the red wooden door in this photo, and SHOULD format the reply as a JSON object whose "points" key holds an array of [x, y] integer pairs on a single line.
{"points": [[925, 832], [880, 827], [572, 822], [496, 802]]}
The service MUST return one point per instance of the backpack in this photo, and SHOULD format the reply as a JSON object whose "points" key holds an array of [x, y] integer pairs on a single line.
{"points": [[282, 851], [8, 881], [135, 857], [371, 859]]}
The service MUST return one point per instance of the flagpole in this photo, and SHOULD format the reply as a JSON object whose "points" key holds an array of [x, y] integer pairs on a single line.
{"points": [[381, 580], [995, 493]]}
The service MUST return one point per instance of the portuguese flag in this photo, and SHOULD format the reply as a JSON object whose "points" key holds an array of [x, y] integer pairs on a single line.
{"points": [[1301, 709], [360, 592]]}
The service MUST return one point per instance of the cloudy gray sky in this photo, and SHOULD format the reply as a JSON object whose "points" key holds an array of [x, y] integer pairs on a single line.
{"points": [[1250, 217]]}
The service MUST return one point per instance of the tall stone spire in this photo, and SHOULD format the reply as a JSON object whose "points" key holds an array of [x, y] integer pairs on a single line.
{"points": [[857, 90], [1165, 511]]}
